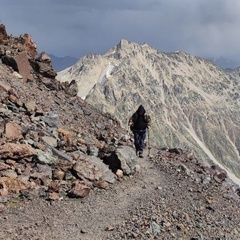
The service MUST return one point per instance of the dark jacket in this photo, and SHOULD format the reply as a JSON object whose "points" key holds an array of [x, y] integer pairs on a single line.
{"points": [[139, 120]]}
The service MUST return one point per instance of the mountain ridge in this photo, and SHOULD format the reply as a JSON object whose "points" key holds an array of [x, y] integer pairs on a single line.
{"points": [[194, 99]]}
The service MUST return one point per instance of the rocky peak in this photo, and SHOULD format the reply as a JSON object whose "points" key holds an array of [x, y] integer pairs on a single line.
{"points": [[125, 49], [190, 100], [3, 34], [20, 53]]}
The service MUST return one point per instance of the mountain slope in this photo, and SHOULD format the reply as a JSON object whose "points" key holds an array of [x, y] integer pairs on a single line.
{"points": [[193, 104]]}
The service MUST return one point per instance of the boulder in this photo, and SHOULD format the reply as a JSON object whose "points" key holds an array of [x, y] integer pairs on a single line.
{"points": [[43, 57], [93, 169], [124, 158], [16, 151], [19, 63]]}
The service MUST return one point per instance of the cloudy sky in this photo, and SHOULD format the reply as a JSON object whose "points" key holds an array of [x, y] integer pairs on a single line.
{"points": [[206, 28]]}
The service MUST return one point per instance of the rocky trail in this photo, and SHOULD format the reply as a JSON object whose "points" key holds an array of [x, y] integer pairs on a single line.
{"points": [[94, 217], [165, 199]]}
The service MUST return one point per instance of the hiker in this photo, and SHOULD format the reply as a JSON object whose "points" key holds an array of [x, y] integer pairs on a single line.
{"points": [[138, 124]]}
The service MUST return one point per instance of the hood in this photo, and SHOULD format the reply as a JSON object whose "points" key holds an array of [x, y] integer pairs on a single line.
{"points": [[141, 110]]}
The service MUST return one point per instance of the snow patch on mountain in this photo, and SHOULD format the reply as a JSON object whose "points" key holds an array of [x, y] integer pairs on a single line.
{"points": [[106, 73]]}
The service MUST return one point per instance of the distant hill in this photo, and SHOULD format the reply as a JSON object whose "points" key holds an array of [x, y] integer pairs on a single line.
{"points": [[224, 63], [193, 103], [60, 63]]}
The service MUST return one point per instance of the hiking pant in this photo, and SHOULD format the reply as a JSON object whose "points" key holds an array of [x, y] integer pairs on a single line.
{"points": [[139, 137]]}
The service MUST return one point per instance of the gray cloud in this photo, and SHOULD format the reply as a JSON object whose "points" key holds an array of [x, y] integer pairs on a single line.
{"points": [[78, 27]]}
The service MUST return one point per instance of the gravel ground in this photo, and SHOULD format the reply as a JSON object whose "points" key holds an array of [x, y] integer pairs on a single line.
{"points": [[161, 201]]}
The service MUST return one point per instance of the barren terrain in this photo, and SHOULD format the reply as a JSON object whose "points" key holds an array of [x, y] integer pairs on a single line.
{"points": [[163, 200]]}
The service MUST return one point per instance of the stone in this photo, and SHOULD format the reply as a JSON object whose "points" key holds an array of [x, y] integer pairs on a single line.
{"points": [[28, 45], [58, 174], [127, 157], [16, 151], [50, 141], [52, 120], [13, 185], [53, 196], [43, 57], [101, 184], [45, 157], [30, 106], [72, 88], [13, 131], [93, 169], [23, 65], [92, 150], [79, 190], [45, 170], [44, 68], [3, 35], [18, 75], [119, 173]]}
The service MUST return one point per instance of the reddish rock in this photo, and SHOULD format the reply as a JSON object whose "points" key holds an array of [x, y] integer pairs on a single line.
{"points": [[65, 135], [58, 174], [14, 99], [79, 190], [14, 185], [54, 186], [13, 131], [16, 151], [53, 196], [28, 45], [85, 169], [101, 184], [23, 65], [3, 35], [220, 176]]}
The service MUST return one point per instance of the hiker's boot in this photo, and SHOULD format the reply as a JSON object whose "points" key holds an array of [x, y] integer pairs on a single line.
{"points": [[140, 154]]}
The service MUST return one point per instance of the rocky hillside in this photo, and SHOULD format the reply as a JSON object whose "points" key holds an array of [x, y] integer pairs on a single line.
{"points": [[194, 104], [52, 143]]}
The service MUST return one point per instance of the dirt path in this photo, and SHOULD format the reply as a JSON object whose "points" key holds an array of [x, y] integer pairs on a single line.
{"points": [[86, 219]]}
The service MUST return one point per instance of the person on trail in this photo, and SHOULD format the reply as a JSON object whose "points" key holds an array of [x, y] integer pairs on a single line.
{"points": [[138, 124]]}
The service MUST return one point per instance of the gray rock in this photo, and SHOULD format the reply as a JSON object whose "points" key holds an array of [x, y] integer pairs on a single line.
{"points": [[128, 159], [50, 141], [52, 120], [45, 157], [93, 169]]}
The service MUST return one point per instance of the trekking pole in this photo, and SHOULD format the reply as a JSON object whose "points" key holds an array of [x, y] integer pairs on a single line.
{"points": [[149, 147]]}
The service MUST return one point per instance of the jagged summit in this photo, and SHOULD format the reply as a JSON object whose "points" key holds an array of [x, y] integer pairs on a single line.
{"points": [[194, 104]]}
